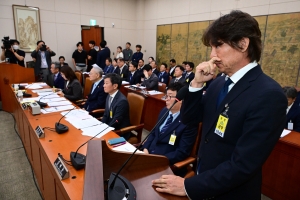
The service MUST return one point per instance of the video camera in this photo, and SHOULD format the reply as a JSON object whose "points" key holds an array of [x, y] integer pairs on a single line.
{"points": [[7, 45], [43, 48]]}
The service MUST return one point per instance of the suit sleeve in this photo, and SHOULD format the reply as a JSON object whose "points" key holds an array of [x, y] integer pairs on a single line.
{"points": [[297, 122], [34, 54], [150, 83], [61, 83], [77, 92], [263, 124], [121, 108], [52, 53], [105, 116], [191, 109], [101, 98]]}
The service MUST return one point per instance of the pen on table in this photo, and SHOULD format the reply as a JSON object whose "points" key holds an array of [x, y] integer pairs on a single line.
{"points": [[120, 144]]}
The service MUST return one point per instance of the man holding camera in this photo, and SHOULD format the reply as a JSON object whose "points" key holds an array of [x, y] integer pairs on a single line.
{"points": [[42, 58], [13, 54]]}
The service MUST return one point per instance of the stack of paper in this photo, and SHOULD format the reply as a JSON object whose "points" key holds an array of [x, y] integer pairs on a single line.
{"points": [[34, 86], [100, 129], [42, 90], [154, 92], [285, 132], [83, 123], [56, 109], [125, 82], [59, 103], [127, 148]]}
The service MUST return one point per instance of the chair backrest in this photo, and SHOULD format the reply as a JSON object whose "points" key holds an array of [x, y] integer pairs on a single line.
{"points": [[79, 76], [87, 87], [170, 78], [162, 87], [136, 105], [197, 142]]}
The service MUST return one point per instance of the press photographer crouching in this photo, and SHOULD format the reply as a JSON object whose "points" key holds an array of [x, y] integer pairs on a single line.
{"points": [[11, 52]]}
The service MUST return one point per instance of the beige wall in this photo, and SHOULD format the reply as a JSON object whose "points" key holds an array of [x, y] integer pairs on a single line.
{"points": [[135, 20]]}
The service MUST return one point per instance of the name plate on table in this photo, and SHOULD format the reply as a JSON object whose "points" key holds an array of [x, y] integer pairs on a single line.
{"points": [[61, 169], [39, 132]]}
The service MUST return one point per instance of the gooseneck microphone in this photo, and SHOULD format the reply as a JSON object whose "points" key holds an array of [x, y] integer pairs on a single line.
{"points": [[61, 128], [42, 104], [120, 181], [77, 159]]}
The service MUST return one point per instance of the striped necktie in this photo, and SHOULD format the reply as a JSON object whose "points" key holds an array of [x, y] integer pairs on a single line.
{"points": [[166, 126]]}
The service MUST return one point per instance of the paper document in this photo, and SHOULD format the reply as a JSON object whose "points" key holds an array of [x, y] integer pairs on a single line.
{"points": [[42, 90], [83, 123], [59, 103], [94, 130], [127, 148], [44, 93], [154, 92], [52, 99], [77, 113], [22, 84], [285, 132], [49, 96], [125, 82], [56, 109], [34, 86]]}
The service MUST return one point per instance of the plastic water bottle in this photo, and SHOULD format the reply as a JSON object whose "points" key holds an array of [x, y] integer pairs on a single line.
{"points": [[20, 96]]}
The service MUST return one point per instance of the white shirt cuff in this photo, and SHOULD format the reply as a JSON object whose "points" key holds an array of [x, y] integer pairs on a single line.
{"points": [[193, 89], [187, 194]]}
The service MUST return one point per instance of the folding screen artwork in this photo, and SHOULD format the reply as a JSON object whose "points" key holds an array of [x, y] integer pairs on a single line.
{"points": [[280, 58]]}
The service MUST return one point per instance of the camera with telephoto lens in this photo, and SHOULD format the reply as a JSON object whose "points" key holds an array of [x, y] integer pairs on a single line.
{"points": [[43, 48], [6, 43]]}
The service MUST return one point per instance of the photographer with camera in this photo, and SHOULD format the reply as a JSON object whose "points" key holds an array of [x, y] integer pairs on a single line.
{"points": [[42, 58], [11, 52]]}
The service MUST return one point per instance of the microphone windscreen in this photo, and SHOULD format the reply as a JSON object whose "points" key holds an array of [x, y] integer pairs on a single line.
{"points": [[182, 93]]}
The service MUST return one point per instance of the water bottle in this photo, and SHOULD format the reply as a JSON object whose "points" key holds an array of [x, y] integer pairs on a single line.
{"points": [[20, 95]]}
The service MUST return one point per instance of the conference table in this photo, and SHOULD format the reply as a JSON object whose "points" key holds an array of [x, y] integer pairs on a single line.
{"points": [[42, 152]]}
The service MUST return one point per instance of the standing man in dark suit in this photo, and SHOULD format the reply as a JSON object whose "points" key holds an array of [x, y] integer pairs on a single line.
{"points": [[42, 58], [159, 140], [150, 80], [172, 67], [123, 69], [92, 55], [163, 76], [133, 76], [102, 54], [117, 107], [293, 109], [189, 74], [239, 129], [55, 79], [138, 55], [178, 75], [97, 97]]}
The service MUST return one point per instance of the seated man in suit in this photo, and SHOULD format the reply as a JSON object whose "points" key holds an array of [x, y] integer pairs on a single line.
{"points": [[97, 97], [117, 108], [154, 67], [123, 69], [159, 140], [189, 74], [55, 79], [116, 68], [150, 80], [178, 71], [293, 109], [133, 77], [109, 67], [163, 76]]}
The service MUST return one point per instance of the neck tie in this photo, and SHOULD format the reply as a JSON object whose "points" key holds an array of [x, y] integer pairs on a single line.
{"points": [[169, 121], [223, 92], [55, 77], [187, 75], [109, 101], [130, 76], [176, 80], [160, 74]]}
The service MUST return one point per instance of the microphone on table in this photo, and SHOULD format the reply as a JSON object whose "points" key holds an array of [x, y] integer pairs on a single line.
{"points": [[118, 186], [61, 128], [42, 104], [77, 159]]}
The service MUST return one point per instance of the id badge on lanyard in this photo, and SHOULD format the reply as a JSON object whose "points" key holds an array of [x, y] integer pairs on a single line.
{"points": [[222, 122]]}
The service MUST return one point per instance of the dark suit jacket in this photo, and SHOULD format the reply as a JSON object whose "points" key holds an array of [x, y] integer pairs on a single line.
{"points": [[120, 109], [159, 143], [181, 80], [97, 99], [37, 55], [137, 56], [73, 91], [294, 116], [124, 73], [101, 57], [58, 83], [116, 71], [172, 73], [231, 167], [156, 72], [108, 69], [151, 83], [189, 78], [134, 79], [164, 78]]}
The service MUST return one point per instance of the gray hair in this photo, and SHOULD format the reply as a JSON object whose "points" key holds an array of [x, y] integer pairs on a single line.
{"points": [[56, 65], [98, 70]]}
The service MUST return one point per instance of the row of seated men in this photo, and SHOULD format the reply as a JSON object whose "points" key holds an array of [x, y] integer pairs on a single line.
{"points": [[105, 93]]}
